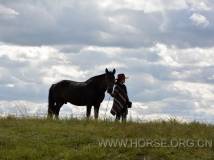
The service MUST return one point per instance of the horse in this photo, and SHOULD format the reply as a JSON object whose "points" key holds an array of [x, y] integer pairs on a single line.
{"points": [[88, 93]]}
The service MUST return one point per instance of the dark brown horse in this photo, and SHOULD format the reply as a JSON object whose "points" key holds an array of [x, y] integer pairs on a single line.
{"points": [[89, 93]]}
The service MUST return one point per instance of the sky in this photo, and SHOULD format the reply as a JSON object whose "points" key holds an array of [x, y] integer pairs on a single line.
{"points": [[165, 47]]}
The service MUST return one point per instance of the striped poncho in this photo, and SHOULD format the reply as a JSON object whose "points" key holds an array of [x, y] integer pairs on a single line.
{"points": [[120, 99]]}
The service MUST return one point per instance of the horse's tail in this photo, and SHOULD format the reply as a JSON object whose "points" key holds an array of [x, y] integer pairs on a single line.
{"points": [[50, 101]]}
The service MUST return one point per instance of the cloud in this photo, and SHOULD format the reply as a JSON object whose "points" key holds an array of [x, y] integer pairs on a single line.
{"points": [[164, 81], [29, 71], [146, 6], [7, 12], [199, 5], [199, 20], [122, 23]]}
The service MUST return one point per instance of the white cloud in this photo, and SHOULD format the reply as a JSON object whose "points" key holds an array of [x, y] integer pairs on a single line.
{"points": [[122, 23], [164, 82], [198, 5], [29, 71], [156, 5], [57, 72], [7, 12], [199, 20], [184, 57], [146, 6]]}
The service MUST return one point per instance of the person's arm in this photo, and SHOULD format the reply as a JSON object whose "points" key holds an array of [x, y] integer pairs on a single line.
{"points": [[127, 97], [128, 102]]}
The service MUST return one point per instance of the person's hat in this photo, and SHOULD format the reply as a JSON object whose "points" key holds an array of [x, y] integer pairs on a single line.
{"points": [[121, 77]]}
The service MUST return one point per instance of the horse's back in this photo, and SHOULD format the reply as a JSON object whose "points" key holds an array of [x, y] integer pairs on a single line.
{"points": [[69, 83], [72, 91]]}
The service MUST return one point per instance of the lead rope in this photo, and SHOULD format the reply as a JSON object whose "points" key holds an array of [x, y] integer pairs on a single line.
{"points": [[107, 107]]}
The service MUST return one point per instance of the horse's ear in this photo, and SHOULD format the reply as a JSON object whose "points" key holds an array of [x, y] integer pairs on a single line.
{"points": [[114, 71], [106, 70]]}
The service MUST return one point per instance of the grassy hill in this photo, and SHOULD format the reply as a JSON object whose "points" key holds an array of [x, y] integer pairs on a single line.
{"points": [[32, 138]]}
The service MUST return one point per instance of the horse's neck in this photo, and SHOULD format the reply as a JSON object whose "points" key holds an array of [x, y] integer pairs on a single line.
{"points": [[98, 82]]}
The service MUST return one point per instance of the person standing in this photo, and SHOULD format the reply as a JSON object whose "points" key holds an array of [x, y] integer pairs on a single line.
{"points": [[121, 101]]}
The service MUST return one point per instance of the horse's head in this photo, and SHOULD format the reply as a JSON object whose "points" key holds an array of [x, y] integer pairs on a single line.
{"points": [[110, 80]]}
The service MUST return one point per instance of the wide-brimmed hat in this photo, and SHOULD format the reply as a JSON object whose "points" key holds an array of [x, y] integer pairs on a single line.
{"points": [[121, 76]]}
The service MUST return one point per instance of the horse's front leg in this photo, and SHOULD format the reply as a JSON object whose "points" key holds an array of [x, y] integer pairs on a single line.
{"points": [[88, 111], [96, 111]]}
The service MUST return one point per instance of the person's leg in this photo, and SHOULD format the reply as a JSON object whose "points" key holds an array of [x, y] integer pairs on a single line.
{"points": [[124, 116]]}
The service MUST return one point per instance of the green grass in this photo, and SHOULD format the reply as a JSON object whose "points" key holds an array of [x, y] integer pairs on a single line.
{"points": [[33, 138]]}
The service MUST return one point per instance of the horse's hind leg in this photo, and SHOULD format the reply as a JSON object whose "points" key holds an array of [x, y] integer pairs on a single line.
{"points": [[88, 111], [50, 113], [57, 109], [96, 111], [51, 109]]}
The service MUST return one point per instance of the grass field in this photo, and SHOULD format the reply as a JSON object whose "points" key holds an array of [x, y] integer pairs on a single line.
{"points": [[33, 138]]}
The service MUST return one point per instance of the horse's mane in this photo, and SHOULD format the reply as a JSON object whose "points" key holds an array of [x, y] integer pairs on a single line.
{"points": [[93, 79]]}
